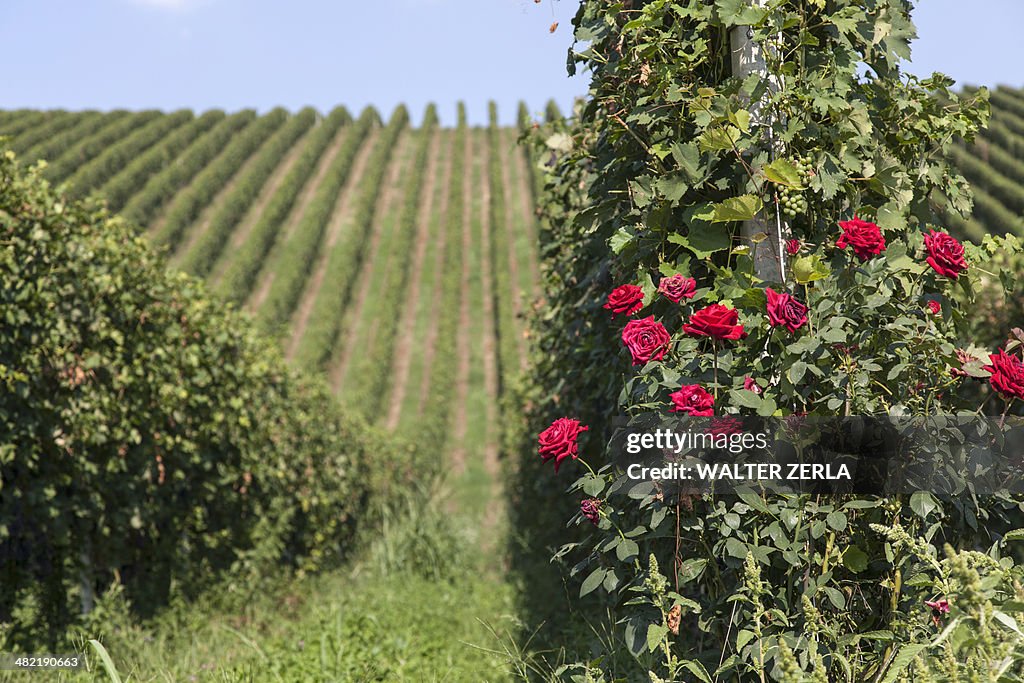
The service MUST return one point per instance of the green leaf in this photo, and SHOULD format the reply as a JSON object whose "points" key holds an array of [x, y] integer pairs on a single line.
{"points": [[901, 661], [754, 297], [740, 12], [1015, 535], [592, 581], [923, 503], [861, 504], [846, 19], [593, 485], [742, 638], [108, 663], [560, 142], [620, 239], [688, 157], [742, 208], [718, 139], [736, 548], [783, 172], [745, 398], [890, 217], [691, 569], [741, 117], [673, 187], [797, 371], [835, 596], [810, 268], [768, 407], [627, 550], [698, 670], [897, 259], [836, 520], [703, 237], [790, 518], [828, 178], [611, 581], [655, 634], [855, 559], [1008, 621]]}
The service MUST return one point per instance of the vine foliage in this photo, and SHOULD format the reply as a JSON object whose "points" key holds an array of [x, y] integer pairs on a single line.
{"points": [[655, 178], [148, 435]]}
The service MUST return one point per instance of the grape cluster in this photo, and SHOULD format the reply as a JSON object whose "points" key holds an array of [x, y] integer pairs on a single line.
{"points": [[793, 202]]}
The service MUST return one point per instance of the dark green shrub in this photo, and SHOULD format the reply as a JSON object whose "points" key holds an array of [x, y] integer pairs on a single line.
{"points": [[664, 172], [147, 434]]}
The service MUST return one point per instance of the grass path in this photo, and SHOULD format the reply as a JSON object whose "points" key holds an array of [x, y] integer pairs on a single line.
{"points": [[425, 316], [360, 321], [460, 421], [475, 424], [490, 343], [428, 340], [244, 228], [340, 217], [437, 165], [202, 224], [266, 278]]}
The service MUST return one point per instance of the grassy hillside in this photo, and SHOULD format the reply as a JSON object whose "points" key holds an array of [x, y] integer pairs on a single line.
{"points": [[338, 234], [397, 262], [994, 165]]}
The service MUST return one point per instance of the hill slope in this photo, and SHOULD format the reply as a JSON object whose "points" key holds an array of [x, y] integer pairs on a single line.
{"points": [[395, 259], [396, 262]]}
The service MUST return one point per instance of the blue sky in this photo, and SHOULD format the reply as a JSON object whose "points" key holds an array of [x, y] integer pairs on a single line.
{"points": [[261, 53]]}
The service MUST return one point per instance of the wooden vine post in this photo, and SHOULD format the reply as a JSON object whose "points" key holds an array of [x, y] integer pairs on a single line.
{"points": [[766, 233]]}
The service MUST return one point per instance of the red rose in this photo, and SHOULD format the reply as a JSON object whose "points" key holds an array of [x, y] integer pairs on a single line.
{"points": [[646, 339], [590, 508], [716, 321], [751, 385], [786, 311], [694, 400], [945, 254], [793, 247], [935, 307], [677, 287], [865, 238], [1007, 375], [627, 299], [559, 441]]}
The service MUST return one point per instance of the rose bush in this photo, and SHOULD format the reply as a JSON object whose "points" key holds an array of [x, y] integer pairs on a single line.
{"points": [[663, 165]]}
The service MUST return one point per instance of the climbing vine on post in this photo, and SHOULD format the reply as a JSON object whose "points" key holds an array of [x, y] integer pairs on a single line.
{"points": [[656, 303]]}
